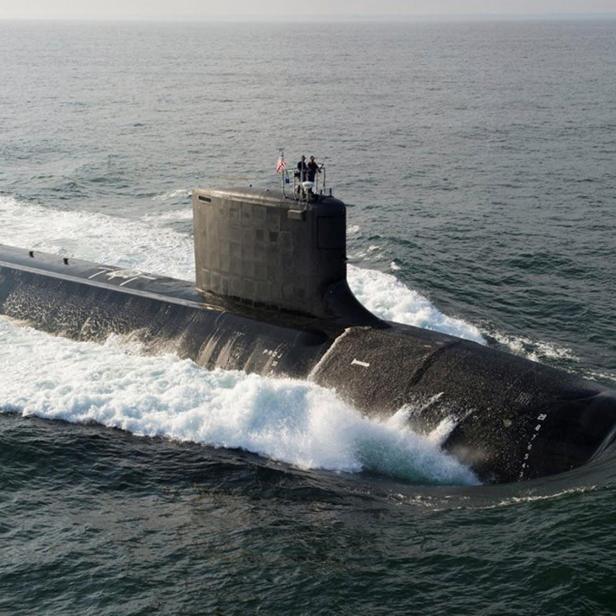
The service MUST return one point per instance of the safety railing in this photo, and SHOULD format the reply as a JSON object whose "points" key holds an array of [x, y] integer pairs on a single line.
{"points": [[308, 183]]}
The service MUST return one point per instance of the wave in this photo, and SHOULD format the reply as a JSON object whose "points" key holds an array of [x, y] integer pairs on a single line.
{"points": [[179, 194], [601, 375], [133, 244], [533, 498], [295, 422], [533, 349], [384, 295]]}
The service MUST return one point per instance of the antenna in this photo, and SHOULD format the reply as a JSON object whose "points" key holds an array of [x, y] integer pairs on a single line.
{"points": [[281, 168]]}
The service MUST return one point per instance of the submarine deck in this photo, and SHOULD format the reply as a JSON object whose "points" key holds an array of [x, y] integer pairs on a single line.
{"points": [[126, 280], [151, 286]]}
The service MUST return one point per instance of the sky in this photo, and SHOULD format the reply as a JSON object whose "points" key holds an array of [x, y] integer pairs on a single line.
{"points": [[277, 9]]}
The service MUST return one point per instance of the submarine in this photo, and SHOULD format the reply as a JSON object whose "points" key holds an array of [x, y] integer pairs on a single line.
{"points": [[270, 296]]}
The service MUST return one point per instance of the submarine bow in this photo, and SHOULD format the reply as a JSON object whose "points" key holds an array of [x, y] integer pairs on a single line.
{"points": [[271, 297]]}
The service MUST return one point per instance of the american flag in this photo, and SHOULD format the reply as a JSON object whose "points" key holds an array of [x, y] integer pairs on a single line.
{"points": [[281, 165]]}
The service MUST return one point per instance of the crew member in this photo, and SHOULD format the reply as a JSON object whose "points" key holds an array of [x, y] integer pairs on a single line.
{"points": [[302, 169], [313, 169]]}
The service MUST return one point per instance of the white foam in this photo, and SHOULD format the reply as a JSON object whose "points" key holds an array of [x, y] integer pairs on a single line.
{"points": [[135, 244], [291, 421], [387, 297], [533, 498], [178, 194], [533, 349], [174, 215], [601, 375]]}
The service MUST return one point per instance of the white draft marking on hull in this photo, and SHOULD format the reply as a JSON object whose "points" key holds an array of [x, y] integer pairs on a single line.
{"points": [[102, 271], [129, 280]]}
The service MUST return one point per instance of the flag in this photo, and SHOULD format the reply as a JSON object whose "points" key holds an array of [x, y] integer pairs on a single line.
{"points": [[281, 165]]}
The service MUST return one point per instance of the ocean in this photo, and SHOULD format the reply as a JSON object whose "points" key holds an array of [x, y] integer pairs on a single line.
{"points": [[477, 161]]}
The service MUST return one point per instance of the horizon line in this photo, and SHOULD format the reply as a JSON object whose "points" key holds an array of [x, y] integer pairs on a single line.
{"points": [[485, 16]]}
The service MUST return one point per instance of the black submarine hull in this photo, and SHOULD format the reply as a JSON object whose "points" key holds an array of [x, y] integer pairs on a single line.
{"points": [[513, 419]]}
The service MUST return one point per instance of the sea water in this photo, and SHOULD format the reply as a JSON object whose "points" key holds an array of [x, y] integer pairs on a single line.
{"points": [[477, 163]]}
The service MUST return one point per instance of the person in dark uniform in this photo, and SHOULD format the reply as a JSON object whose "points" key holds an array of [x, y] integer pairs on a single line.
{"points": [[302, 170], [313, 169]]}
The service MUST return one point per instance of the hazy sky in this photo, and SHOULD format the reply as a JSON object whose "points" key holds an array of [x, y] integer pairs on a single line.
{"points": [[207, 9]]}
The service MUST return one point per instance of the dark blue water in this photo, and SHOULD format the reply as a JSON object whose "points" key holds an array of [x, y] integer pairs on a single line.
{"points": [[479, 162]]}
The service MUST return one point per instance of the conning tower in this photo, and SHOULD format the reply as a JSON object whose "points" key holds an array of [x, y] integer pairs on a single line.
{"points": [[262, 247]]}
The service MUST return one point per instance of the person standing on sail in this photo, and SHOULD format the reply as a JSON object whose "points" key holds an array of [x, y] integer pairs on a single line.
{"points": [[302, 169], [313, 169]]}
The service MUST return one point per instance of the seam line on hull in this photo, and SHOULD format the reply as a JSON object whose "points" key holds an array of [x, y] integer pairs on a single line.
{"points": [[315, 370], [429, 360]]}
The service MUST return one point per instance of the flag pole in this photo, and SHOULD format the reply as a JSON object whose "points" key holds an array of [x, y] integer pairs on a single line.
{"points": [[283, 172]]}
